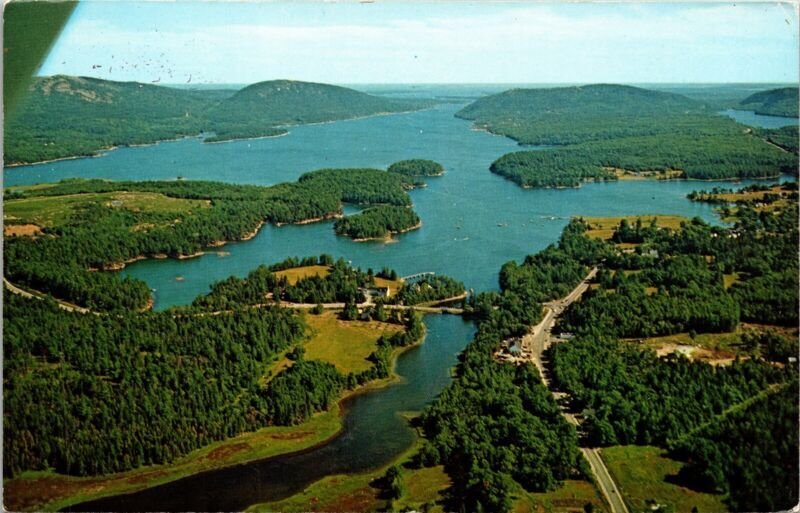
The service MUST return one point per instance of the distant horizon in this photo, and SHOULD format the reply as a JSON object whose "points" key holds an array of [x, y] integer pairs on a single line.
{"points": [[215, 42], [355, 84]]}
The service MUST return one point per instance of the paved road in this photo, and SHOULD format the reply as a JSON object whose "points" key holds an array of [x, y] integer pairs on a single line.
{"points": [[534, 345], [538, 339], [604, 480], [61, 304]]}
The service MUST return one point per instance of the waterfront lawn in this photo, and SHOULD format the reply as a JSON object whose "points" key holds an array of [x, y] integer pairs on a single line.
{"points": [[57, 210], [48, 491], [345, 344], [296, 274], [569, 498], [604, 227], [392, 285], [642, 474]]}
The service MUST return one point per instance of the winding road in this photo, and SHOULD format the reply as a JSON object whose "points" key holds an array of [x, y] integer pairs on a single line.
{"points": [[534, 344]]}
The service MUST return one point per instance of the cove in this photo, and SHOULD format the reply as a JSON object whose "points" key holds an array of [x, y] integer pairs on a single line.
{"points": [[373, 433]]}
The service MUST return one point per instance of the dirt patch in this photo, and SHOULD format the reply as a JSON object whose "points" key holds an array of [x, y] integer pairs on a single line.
{"points": [[294, 435], [31, 494], [21, 230], [714, 357], [360, 500], [223, 452]]}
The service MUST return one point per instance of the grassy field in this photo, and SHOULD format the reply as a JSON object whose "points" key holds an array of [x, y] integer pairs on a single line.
{"points": [[56, 210], [641, 473], [346, 344], [392, 285], [572, 497], [297, 273], [730, 279], [604, 227], [47, 491]]}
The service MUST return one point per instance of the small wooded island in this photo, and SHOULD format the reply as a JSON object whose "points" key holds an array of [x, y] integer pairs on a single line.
{"points": [[378, 223], [417, 167]]}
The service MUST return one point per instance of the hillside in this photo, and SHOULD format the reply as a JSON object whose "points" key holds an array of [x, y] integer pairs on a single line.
{"points": [[67, 116], [602, 132], [774, 102], [569, 115], [275, 103], [593, 99], [74, 116]]}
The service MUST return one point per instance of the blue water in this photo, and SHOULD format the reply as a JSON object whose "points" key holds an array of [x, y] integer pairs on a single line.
{"points": [[749, 117]]}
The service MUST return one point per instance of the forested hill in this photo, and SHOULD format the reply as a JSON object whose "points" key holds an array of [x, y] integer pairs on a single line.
{"points": [[774, 102], [289, 102], [67, 116], [602, 132], [579, 100], [73, 116]]}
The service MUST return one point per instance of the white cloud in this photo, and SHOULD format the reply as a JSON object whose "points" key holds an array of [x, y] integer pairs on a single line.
{"points": [[572, 42]]}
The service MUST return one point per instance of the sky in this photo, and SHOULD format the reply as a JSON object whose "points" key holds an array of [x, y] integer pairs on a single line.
{"points": [[438, 42]]}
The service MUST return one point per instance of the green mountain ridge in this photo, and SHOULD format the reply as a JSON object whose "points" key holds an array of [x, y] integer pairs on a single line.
{"points": [[774, 102], [595, 98], [595, 132], [65, 116]]}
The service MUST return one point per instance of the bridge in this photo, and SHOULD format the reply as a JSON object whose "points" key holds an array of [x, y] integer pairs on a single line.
{"points": [[413, 277]]}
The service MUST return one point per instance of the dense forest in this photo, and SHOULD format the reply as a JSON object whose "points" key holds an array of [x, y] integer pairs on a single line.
{"points": [[497, 426], [786, 137], [775, 102], [64, 116], [92, 394], [417, 167], [671, 282], [99, 235], [707, 158], [599, 129], [133, 389], [377, 222], [765, 430]]}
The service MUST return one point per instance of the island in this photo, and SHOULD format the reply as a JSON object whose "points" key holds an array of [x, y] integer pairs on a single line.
{"points": [[417, 167], [377, 223], [606, 132]]}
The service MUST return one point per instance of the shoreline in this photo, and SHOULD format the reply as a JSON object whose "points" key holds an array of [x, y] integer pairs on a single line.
{"points": [[284, 134], [642, 178], [118, 266], [389, 237], [100, 152], [133, 480]]}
